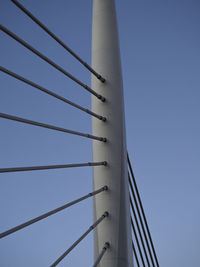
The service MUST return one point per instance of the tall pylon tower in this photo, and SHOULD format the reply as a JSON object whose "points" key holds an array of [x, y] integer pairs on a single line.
{"points": [[116, 228]]}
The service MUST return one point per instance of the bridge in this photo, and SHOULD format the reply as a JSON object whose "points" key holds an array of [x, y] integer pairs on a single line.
{"points": [[121, 232]]}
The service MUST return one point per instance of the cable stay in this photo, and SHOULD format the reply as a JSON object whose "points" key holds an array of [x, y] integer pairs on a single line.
{"points": [[49, 167], [92, 227], [45, 215], [139, 231], [52, 63], [135, 254], [142, 209], [106, 246], [137, 241], [44, 125], [18, 77], [140, 219], [39, 23]]}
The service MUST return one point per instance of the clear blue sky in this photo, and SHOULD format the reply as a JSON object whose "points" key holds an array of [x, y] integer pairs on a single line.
{"points": [[160, 43]]}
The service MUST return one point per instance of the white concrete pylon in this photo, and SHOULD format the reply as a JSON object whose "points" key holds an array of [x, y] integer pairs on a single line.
{"points": [[116, 229]]}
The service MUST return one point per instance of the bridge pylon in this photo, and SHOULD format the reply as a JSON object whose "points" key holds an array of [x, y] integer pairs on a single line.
{"points": [[116, 228]]}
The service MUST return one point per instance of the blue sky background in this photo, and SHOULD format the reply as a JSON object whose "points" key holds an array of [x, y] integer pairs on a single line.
{"points": [[160, 43]]}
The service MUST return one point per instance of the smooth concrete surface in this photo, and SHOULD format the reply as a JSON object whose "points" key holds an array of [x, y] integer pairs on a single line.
{"points": [[116, 229]]}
